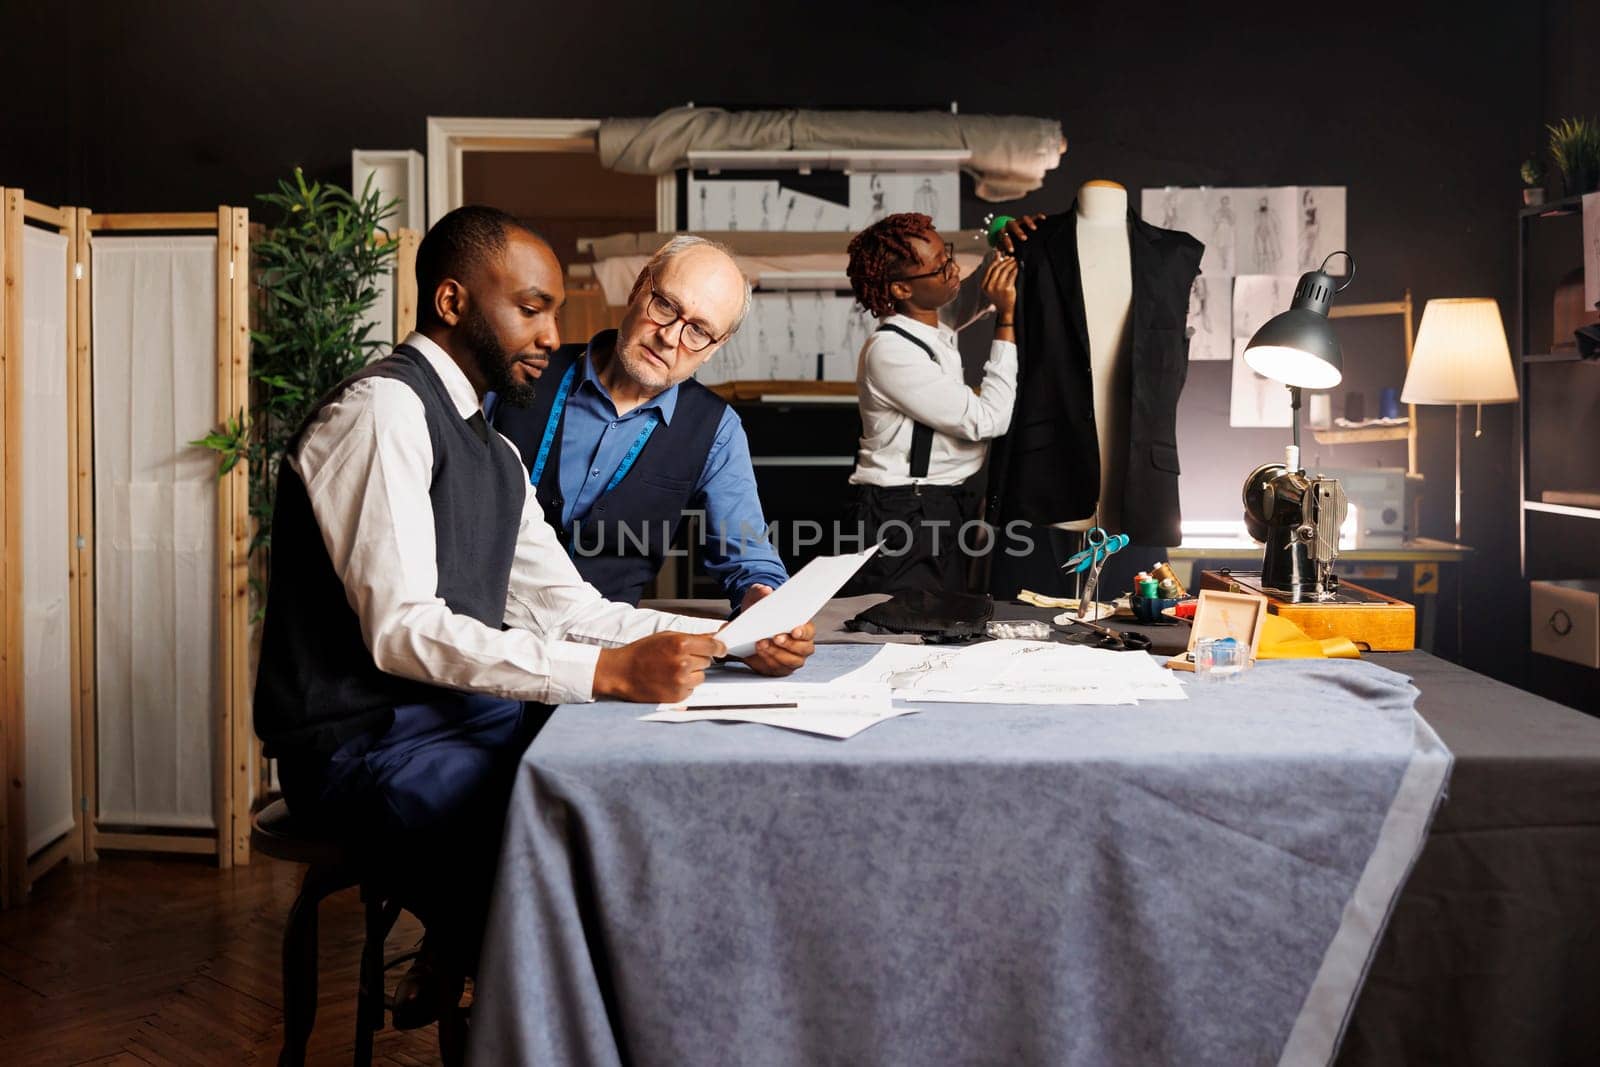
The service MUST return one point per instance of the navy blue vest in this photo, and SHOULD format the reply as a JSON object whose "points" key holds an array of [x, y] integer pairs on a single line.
{"points": [[620, 544], [318, 685]]}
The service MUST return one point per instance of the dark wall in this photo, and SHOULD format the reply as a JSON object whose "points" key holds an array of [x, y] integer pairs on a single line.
{"points": [[1423, 111]]}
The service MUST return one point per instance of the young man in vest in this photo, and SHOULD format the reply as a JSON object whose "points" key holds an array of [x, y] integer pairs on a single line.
{"points": [[418, 598], [619, 441]]}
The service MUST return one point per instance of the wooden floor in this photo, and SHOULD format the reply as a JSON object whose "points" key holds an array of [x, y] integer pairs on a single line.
{"points": [[171, 961]]}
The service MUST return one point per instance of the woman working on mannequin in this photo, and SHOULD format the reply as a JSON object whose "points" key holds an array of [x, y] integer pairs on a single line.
{"points": [[924, 432]]}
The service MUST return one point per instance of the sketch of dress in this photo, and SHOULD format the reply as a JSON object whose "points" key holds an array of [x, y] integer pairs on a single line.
{"points": [[792, 325], [1222, 232], [926, 199], [1266, 239], [858, 329], [1200, 323], [1169, 209], [878, 210], [820, 340], [766, 209], [1308, 230]]}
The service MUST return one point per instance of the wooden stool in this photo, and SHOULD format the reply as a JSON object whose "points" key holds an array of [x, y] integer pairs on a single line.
{"points": [[331, 867]]}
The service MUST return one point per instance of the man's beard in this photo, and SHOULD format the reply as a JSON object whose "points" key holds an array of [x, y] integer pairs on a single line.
{"points": [[493, 361]]}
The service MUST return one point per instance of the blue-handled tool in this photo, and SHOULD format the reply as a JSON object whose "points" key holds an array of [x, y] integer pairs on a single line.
{"points": [[1100, 546]]}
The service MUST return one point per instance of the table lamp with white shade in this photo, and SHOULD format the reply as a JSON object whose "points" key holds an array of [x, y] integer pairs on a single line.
{"points": [[1461, 357]]}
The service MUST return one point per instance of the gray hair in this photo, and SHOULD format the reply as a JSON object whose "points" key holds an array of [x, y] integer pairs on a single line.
{"points": [[676, 247]]}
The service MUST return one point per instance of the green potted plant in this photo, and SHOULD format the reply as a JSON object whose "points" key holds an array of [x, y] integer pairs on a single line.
{"points": [[1533, 182], [1575, 147], [317, 271]]}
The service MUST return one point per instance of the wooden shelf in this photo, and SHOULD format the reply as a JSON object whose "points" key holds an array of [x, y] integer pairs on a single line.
{"points": [[1568, 205], [1362, 435], [758, 390], [1553, 357], [1570, 510]]}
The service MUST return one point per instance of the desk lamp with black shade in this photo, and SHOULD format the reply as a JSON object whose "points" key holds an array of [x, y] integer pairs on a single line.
{"points": [[1298, 517]]}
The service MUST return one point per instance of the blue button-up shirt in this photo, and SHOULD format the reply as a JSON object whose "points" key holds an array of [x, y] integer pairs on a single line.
{"points": [[594, 440]]}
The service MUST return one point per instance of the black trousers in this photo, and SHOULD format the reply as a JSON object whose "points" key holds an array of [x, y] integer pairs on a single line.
{"points": [[921, 527]]}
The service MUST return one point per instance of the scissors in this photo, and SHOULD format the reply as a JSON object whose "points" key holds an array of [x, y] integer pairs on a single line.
{"points": [[1100, 546], [1116, 640]]}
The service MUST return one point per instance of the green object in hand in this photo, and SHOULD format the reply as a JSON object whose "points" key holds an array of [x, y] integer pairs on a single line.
{"points": [[996, 228]]}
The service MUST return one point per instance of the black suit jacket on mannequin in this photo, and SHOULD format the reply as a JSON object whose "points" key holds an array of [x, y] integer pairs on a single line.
{"points": [[1047, 468]]}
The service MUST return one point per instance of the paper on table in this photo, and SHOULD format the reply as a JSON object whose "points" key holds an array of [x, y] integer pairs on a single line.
{"points": [[814, 708], [794, 603], [1017, 672]]}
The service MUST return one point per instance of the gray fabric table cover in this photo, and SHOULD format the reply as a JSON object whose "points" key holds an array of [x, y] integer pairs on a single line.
{"points": [[1199, 881]]}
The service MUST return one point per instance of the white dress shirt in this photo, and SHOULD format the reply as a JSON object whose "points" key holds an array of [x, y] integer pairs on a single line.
{"points": [[898, 386], [367, 464]]}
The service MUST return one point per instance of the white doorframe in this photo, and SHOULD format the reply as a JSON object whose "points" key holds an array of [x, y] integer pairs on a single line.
{"points": [[448, 138]]}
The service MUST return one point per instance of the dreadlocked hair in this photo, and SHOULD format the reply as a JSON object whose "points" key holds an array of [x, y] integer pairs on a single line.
{"points": [[880, 253]]}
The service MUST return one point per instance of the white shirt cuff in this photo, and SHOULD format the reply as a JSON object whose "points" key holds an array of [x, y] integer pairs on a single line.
{"points": [[572, 667]]}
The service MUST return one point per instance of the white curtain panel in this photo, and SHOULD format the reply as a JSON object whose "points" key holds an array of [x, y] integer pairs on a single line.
{"points": [[46, 552], [155, 308]]}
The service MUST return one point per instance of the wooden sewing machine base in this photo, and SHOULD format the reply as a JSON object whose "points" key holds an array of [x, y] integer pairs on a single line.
{"points": [[1363, 615]]}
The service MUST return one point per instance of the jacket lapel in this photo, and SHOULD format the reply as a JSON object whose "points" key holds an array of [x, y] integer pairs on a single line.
{"points": [[1063, 255]]}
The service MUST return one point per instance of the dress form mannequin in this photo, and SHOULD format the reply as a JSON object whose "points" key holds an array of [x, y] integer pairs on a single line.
{"points": [[1106, 268]]}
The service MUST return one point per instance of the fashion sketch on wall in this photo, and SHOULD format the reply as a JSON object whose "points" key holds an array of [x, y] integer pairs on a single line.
{"points": [[1258, 297], [1254, 400], [876, 194], [1210, 319], [1266, 230]]}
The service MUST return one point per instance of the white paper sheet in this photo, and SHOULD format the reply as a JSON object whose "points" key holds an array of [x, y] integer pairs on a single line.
{"points": [[1017, 672], [1320, 215], [825, 708], [1281, 229], [810, 214], [792, 604], [1210, 321], [1254, 400], [1257, 298], [1220, 231], [1268, 234], [875, 194], [734, 205]]}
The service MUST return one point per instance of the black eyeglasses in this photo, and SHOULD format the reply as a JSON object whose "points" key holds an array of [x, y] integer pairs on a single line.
{"points": [[663, 312], [942, 269]]}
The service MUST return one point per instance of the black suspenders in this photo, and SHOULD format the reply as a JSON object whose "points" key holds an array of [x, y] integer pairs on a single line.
{"points": [[921, 436]]}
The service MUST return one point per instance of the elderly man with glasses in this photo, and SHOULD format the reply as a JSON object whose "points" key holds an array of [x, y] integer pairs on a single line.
{"points": [[620, 442]]}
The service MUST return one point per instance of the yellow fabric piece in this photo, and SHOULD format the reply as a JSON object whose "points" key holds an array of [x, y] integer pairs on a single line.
{"points": [[1282, 639]]}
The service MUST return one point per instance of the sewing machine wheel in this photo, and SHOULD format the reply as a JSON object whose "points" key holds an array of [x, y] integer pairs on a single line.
{"points": [[1257, 501]]}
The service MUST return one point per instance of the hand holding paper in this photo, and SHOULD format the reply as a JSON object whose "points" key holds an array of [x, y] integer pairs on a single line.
{"points": [[781, 654], [793, 604]]}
